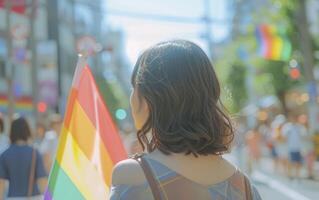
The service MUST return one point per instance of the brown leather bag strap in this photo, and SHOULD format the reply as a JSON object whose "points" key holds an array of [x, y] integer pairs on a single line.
{"points": [[248, 191], [149, 176], [32, 173]]}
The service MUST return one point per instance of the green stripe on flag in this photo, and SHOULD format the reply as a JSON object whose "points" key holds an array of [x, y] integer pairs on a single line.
{"points": [[61, 186], [286, 50]]}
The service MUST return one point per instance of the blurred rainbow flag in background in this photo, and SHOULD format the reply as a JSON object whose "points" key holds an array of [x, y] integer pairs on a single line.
{"points": [[273, 44], [22, 104], [89, 144]]}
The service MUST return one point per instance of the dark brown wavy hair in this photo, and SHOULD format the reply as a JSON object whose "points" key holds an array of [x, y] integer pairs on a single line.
{"points": [[181, 89]]}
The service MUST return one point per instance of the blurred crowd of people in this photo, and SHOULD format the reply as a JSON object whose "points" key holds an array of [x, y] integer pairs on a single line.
{"points": [[26, 157], [287, 142]]}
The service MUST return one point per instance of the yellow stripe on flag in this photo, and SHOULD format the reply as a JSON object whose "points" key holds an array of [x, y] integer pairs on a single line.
{"points": [[82, 130], [277, 47], [80, 170]]}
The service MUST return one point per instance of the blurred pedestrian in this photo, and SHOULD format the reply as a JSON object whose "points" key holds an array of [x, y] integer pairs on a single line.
{"points": [[50, 141], [40, 133], [293, 133], [4, 140], [267, 133], [280, 144], [267, 138], [180, 121], [308, 147], [21, 165], [265, 130], [254, 142]]}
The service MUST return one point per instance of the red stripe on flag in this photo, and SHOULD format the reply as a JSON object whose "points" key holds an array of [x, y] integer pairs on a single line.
{"points": [[268, 40], [93, 105]]}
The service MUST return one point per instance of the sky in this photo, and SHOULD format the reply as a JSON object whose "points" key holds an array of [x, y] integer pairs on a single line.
{"points": [[141, 33]]}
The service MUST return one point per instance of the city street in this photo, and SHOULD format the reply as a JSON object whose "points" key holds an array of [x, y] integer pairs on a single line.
{"points": [[87, 84], [274, 186]]}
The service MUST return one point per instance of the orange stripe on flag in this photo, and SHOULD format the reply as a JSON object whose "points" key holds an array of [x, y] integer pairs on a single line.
{"points": [[70, 105]]}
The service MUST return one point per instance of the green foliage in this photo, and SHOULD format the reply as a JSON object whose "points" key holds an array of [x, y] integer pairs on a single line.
{"points": [[280, 75], [113, 95], [271, 77], [236, 86]]}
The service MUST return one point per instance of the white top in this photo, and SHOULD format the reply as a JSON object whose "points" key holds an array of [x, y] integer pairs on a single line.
{"points": [[4, 142], [294, 134], [49, 144]]}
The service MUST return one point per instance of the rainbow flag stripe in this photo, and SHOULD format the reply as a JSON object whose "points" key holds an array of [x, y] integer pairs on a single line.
{"points": [[273, 44], [89, 144], [22, 104]]}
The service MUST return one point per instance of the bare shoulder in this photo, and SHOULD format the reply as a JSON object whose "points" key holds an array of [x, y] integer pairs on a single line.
{"points": [[128, 172]]}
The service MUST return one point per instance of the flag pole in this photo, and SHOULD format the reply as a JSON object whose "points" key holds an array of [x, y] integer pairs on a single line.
{"points": [[81, 63]]}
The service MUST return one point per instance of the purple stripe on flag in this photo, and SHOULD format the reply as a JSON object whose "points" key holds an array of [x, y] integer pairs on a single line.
{"points": [[48, 195]]}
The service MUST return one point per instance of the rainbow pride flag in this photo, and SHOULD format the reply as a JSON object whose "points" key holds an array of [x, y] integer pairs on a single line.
{"points": [[272, 42], [89, 144], [22, 104]]}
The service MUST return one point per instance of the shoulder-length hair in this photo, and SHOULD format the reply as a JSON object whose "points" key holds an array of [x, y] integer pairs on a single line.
{"points": [[19, 130], [180, 86]]}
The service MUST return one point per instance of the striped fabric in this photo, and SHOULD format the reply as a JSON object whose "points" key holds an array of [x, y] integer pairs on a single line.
{"points": [[89, 145], [23, 105], [273, 43], [174, 186]]}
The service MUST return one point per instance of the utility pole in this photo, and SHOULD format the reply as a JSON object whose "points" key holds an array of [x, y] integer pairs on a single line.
{"points": [[53, 34], [34, 64], [10, 68], [208, 35], [307, 51]]}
